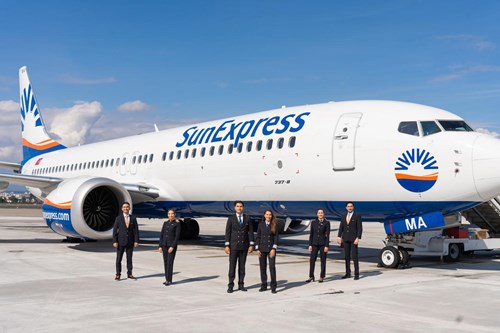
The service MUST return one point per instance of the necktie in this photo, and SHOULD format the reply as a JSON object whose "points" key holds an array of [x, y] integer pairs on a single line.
{"points": [[239, 219], [126, 221]]}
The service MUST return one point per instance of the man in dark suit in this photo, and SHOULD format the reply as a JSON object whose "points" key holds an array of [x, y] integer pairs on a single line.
{"points": [[125, 238], [319, 240], [350, 231], [239, 242]]}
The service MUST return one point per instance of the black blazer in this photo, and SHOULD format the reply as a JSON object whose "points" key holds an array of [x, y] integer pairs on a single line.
{"points": [[239, 237], [349, 232], [124, 236], [170, 233], [265, 240], [319, 234]]}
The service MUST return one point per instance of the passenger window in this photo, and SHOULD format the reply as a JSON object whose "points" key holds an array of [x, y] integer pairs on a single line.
{"points": [[269, 144], [124, 160], [291, 142], [112, 162], [230, 148], [408, 127], [249, 146], [203, 150], [429, 127], [139, 159], [281, 141], [151, 158], [258, 146], [221, 149], [186, 153], [212, 150], [240, 147], [193, 153], [171, 155], [133, 160], [164, 156], [107, 163], [179, 153]]}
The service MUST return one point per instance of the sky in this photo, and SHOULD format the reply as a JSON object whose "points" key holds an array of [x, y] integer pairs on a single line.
{"points": [[106, 69]]}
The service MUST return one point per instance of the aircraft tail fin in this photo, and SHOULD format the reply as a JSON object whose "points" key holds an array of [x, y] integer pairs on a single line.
{"points": [[36, 141]]}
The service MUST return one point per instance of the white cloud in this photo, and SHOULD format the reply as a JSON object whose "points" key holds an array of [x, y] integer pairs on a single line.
{"points": [[134, 106], [9, 105], [471, 41], [78, 80], [459, 72], [73, 125], [487, 131], [8, 153]]}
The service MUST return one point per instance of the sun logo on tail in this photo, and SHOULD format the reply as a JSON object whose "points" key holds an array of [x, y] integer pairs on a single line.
{"points": [[414, 170], [29, 109]]}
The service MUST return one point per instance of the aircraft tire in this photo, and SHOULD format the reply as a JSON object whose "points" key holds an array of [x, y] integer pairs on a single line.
{"points": [[190, 229], [404, 256], [454, 252], [389, 257]]}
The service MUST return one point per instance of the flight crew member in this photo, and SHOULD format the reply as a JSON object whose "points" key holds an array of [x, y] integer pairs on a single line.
{"points": [[350, 231], [169, 237], [319, 239], [239, 242], [266, 245], [125, 238]]}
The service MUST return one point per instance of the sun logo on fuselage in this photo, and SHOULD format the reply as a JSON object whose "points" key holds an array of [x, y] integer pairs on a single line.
{"points": [[29, 109], [414, 170]]}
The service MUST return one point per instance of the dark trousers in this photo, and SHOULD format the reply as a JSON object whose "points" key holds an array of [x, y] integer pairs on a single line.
{"points": [[168, 262], [119, 255], [350, 248], [263, 269], [314, 255], [239, 256]]}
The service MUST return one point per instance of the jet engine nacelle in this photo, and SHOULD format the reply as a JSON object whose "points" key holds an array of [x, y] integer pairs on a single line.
{"points": [[84, 207]]}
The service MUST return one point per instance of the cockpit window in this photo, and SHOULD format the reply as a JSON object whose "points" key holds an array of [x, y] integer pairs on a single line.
{"points": [[430, 127], [455, 125], [408, 127]]}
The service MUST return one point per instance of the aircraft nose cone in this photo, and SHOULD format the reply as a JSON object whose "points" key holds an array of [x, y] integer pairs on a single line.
{"points": [[486, 166]]}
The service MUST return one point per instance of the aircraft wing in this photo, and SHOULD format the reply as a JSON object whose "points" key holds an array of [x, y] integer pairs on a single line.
{"points": [[27, 180], [138, 192], [16, 167]]}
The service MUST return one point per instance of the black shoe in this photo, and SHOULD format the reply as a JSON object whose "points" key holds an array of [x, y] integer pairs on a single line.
{"points": [[273, 291], [356, 277], [230, 290], [263, 288], [242, 288], [117, 277], [321, 280], [165, 283], [310, 279], [347, 276], [131, 277]]}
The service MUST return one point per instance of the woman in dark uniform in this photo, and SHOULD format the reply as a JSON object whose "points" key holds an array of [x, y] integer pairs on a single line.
{"points": [[169, 237], [266, 245], [319, 238]]}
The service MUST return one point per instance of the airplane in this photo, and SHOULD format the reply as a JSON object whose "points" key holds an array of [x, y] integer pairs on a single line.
{"points": [[396, 161]]}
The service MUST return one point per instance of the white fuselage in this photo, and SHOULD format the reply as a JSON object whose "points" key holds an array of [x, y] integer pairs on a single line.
{"points": [[343, 151]]}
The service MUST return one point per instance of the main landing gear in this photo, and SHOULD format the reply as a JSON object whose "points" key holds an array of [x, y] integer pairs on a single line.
{"points": [[190, 229], [393, 257]]}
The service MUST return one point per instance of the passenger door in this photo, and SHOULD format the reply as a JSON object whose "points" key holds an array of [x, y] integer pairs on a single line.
{"points": [[344, 139]]}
